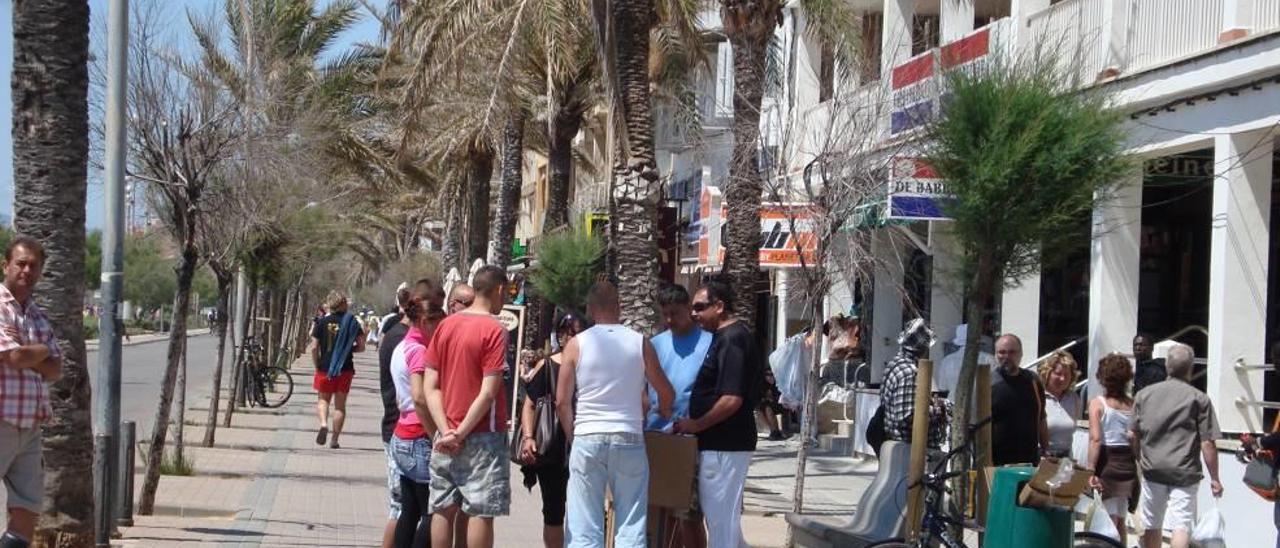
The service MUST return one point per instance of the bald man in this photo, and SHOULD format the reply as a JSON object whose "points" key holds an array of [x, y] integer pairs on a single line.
{"points": [[460, 298]]}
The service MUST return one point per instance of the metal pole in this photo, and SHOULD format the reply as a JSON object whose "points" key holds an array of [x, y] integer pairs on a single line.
{"points": [[102, 519], [110, 323], [124, 482]]}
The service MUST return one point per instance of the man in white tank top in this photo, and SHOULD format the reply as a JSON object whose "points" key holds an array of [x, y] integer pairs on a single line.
{"points": [[605, 368]]}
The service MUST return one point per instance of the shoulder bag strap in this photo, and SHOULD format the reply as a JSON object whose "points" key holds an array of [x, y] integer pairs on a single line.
{"points": [[551, 378]]}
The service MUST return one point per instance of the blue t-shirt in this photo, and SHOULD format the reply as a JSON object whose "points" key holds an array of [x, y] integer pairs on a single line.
{"points": [[681, 358]]}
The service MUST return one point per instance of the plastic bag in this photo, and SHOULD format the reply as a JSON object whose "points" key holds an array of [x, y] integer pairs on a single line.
{"points": [[790, 365], [1098, 521], [1211, 530]]}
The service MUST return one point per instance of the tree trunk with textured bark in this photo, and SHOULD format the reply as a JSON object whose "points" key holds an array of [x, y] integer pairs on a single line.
{"points": [[479, 173], [225, 281], [749, 24], [635, 172], [508, 211], [177, 334], [560, 170], [50, 155], [451, 244]]}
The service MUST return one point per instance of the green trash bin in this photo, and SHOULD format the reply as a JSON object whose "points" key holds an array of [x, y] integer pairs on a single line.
{"points": [[1012, 526]]}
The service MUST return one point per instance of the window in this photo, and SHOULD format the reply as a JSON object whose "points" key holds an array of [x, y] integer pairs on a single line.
{"points": [[724, 80]]}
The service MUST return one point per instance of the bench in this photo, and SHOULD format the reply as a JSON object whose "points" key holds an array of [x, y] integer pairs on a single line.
{"points": [[880, 511]]}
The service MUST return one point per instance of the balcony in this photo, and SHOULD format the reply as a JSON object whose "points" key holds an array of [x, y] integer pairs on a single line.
{"points": [[1102, 38]]}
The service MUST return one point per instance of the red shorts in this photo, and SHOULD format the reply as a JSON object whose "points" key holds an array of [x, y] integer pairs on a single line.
{"points": [[340, 384]]}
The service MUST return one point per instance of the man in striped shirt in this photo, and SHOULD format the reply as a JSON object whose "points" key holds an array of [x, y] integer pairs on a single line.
{"points": [[29, 357]]}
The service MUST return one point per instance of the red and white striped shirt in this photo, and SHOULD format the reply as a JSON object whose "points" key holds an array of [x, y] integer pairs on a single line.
{"points": [[24, 401]]}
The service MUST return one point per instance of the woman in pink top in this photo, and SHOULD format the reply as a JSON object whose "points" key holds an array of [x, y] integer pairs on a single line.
{"points": [[411, 440]]}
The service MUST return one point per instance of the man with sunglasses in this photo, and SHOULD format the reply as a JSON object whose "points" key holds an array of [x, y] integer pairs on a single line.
{"points": [[725, 393]]}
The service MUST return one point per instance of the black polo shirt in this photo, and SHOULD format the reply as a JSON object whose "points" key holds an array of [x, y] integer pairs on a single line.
{"points": [[734, 366]]}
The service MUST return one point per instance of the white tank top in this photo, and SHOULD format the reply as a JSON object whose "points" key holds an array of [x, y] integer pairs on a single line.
{"points": [[610, 378], [1115, 424]]}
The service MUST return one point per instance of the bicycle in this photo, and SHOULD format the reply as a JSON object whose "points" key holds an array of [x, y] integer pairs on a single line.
{"points": [[268, 386], [937, 523]]}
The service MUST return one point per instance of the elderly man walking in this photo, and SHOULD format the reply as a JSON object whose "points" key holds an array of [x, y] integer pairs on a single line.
{"points": [[29, 357], [1174, 425], [606, 367]]}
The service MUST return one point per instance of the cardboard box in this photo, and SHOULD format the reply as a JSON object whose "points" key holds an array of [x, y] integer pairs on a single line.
{"points": [[673, 469], [1037, 494]]}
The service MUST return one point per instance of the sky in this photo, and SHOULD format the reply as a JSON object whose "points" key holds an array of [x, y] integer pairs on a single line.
{"points": [[175, 14]]}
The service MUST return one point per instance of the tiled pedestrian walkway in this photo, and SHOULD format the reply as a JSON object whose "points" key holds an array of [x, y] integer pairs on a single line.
{"points": [[266, 484]]}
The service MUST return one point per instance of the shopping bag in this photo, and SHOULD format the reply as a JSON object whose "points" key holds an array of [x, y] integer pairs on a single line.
{"points": [[1260, 475], [1211, 530], [1098, 521]]}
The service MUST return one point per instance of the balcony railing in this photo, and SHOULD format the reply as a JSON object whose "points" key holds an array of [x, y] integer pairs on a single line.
{"points": [[1073, 29], [1267, 14], [1164, 30]]}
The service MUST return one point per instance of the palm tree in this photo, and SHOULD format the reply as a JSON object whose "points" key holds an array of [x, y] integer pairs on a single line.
{"points": [[50, 157], [623, 36], [508, 209], [749, 26]]}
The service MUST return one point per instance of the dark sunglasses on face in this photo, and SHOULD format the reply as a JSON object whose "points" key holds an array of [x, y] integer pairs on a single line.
{"points": [[699, 307]]}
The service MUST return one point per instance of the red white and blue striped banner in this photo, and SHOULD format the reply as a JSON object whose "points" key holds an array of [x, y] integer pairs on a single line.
{"points": [[915, 87]]}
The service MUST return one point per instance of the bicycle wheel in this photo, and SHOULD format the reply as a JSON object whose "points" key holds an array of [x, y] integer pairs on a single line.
{"points": [[275, 385], [1086, 539], [891, 543]]}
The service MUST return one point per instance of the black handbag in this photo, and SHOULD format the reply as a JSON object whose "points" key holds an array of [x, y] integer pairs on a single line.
{"points": [[548, 438]]}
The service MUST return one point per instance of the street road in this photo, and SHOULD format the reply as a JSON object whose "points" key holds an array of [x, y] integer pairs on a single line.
{"points": [[143, 369]]}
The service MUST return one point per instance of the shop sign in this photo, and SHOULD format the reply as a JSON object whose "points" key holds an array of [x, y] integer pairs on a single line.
{"points": [[916, 192], [916, 92], [783, 229]]}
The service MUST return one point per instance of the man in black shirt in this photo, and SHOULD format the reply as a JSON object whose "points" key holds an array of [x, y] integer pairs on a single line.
{"points": [[1018, 427], [725, 393], [1147, 370], [393, 331]]}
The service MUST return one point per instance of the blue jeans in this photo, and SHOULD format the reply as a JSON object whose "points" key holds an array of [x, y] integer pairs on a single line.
{"points": [[615, 461], [412, 458]]}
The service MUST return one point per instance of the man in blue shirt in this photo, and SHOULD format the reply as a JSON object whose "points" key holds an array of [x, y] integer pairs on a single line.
{"points": [[681, 350]]}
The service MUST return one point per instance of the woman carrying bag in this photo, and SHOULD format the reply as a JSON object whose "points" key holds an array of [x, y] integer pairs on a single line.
{"points": [[1111, 454], [549, 470]]}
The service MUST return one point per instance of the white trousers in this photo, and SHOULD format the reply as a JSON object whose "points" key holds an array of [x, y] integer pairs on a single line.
{"points": [[722, 475]]}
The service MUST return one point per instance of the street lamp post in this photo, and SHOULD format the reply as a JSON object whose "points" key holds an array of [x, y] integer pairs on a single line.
{"points": [[107, 391]]}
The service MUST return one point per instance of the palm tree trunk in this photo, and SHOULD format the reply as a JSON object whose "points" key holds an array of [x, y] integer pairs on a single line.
{"points": [[749, 26], [560, 171], [508, 212], [451, 246], [479, 173], [50, 155], [155, 451], [635, 173], [225, 281]]}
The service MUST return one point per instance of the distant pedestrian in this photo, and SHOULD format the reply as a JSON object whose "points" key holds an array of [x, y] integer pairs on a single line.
{"points": [[1018, 429], [725, 393], [466, 359], [1110, 447], [411, 440], [549, 472], [392, 334], [681, 350], [333, 341], [461, 297], [1146, 369], [1061, 402], [606, 367], [1175, 425], [29, 357]]}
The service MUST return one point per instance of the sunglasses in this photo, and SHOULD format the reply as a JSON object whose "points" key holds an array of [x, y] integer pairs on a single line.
{"points": [[700, 306]]}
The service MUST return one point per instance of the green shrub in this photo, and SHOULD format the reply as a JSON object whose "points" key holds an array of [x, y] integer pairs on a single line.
{"points": [[567, 264]]}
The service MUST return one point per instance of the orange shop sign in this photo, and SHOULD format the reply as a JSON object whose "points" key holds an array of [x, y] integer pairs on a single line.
{"points": [[786, 231]]}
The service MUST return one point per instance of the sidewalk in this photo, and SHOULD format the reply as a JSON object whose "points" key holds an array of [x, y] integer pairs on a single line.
{"points": [[266, 484], [144, 338]]}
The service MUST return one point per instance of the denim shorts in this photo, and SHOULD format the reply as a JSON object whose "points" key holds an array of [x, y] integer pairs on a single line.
{"points": [[413, 458], [477, 477]]}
